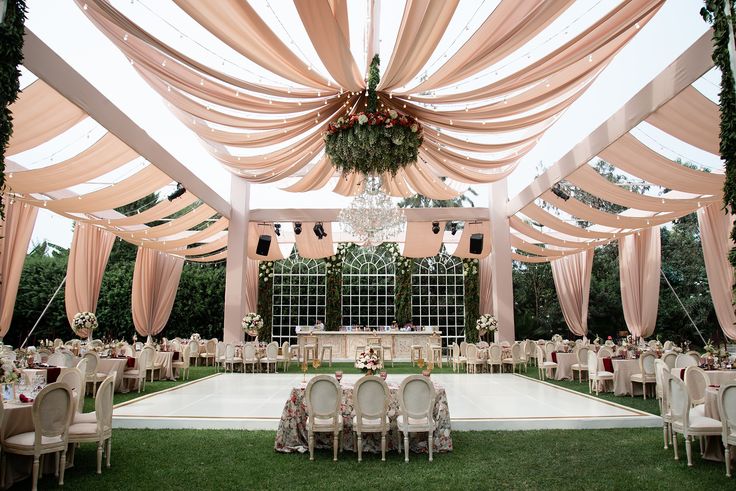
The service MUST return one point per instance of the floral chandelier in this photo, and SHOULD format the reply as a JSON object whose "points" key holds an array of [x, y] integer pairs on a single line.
{"points": [[372, 217], [373, 142]]}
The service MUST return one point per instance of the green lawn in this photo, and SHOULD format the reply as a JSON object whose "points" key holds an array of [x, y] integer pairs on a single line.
{"points": [[545, 459]]}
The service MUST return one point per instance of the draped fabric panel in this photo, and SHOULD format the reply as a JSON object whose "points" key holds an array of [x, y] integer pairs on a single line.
{"points": [[421, 241], [155, 282], [39, 115], [309, 246], [640, 259], [250, 302], [88, 257], [15, 234], [715, 229], [692, 118], [485, 277], [571, 275]]}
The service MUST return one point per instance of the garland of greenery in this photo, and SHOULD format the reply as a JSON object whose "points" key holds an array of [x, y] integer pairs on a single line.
{"points": [[265, 299], [11, 54], [472, 298], [403, 269], [333, 278], [373, 142], [714, 12]]}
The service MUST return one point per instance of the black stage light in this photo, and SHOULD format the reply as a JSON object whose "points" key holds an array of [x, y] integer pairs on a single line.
{"points": [[297, 228], [264, 244], [177, 192], [453, 228], [319, 230], [560, 193], [277, 229], [435, 227], [476, 244]]}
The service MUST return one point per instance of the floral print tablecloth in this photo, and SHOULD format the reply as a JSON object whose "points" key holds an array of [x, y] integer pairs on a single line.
{"points": [[292, 433]]}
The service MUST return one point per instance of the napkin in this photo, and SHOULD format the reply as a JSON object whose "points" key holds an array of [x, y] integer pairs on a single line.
{"points": [[23, 398]]}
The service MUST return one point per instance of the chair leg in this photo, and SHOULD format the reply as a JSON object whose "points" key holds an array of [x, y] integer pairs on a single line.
{"points": [[335, 447], [107, 451], [728, 460], [99, 457], [383, 447], [689, 450], [34, 483], [430, 445], [674, 444], [406, 447], [664, 433], [311, 446], [360, 447]]}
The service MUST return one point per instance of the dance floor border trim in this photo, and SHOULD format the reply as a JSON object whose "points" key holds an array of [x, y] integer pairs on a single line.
{"points": [[170, 389]]}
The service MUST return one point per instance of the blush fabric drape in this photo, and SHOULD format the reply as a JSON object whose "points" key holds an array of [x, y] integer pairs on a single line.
{"points": [[15, 234], [485, 277], [155, 282], [640, 259], [88, 257], [571, 275], [715, 229]]}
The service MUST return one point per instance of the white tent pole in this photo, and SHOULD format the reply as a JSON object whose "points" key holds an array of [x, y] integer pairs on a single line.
{"points": [[44, 311], [683, 306]]}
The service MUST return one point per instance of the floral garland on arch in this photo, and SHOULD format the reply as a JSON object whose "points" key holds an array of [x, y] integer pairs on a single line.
{"points": [[84, 320], [374, 141], [403, 268], [333, 280], [471, 286]]}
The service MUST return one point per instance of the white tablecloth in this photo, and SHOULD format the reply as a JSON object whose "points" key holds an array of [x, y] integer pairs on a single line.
{"points": [[565, 361], [622, 372]]}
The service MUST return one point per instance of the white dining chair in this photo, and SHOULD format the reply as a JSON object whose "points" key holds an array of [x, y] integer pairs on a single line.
{"points": [[416, 410], [696, 380], [473, 359], [686, 421], [100, 430], [271, 358], [182, 364], [249, 357], [457, 359], [582, 364], [230, 359], [727, 409], [370, 402], [646, 375], [495, 353], [139, 373], [323, 397], [669, 359], [515, 359], [683, 361], [75, 380], [661, 371], [92, 376], [543, 364], [596, 377]]}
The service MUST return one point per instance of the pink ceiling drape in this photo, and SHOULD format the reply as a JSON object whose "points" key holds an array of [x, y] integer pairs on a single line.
{"points": [[571, 275], [88, 257], [485, 273], [15, 234], [715, 229], [155, 282], [640, 258]]}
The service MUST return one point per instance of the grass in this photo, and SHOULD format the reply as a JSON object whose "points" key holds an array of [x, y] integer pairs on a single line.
{"points": [[549, 459], [542, 459]]}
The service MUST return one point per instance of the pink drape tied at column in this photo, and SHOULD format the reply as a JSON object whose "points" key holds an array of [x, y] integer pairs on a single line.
{"points": [[88, 257], [571, 275], [715, 229], [15, 234], [485, 278], [155, 282], [640, 259]]}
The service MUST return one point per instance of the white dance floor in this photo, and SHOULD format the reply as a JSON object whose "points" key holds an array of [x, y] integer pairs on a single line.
{"points": [[476, 402]]}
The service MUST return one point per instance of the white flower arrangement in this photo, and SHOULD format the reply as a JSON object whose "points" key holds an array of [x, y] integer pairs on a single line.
{"points": [[402, 264], [84, 320], [266, 270], [195, 337], [486, 323], [10, 373], [557, 338], [709, 347], [252, 322], [470, 267], [368, 360]]}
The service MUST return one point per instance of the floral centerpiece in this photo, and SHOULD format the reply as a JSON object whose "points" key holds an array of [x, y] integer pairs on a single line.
{"points": [[9, 373], [368, 361], [710, 348], [195, 337], [486, 323], [374, 141], [557, 338], [252, 322], [84, 321]]}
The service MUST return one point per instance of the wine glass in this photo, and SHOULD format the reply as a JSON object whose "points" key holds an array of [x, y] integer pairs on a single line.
{"points": [[338, 375]]}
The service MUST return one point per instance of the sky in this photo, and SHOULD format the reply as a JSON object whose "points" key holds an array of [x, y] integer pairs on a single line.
{"points": [[63, 27]]}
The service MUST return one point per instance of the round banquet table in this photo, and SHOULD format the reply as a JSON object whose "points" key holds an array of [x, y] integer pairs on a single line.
{"points": [[713, 446], [565, 361], [109, 365], [715, 377], [622, 372], [292, 432]]}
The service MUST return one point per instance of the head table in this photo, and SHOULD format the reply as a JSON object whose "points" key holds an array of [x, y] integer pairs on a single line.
{"points": [[292, 432], [344, 343]]}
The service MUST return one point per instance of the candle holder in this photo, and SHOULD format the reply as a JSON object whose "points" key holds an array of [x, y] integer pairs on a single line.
{"points": [[304, 371]]}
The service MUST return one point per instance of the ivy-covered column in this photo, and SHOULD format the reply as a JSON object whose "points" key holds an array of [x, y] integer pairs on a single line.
{"points": [[722, 15], [333, 278], [472, 298], [265, 299], [403, 269], [11, 54]]}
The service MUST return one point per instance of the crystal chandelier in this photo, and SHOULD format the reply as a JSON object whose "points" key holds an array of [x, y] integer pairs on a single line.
{"points": [[372, 217]]}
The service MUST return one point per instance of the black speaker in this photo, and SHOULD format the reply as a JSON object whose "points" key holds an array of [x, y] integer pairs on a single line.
{"points": [[476, 243], [264, 244]]}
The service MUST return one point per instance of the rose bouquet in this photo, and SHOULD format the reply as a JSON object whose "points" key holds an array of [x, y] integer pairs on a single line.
{"points": [[252, 322], [368, 361], [486, 323], [84, 320]]}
